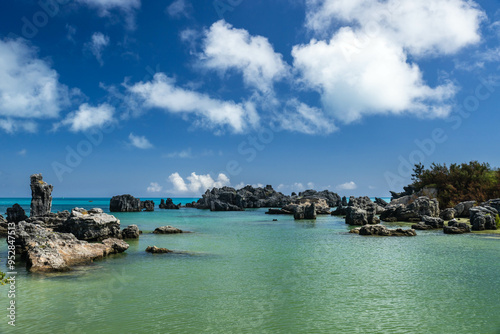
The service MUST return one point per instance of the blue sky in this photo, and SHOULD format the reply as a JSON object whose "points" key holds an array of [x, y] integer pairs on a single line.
{"points": [[168, 98]]}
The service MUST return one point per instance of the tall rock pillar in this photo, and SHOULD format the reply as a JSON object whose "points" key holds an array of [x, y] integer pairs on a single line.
{"points": [[41, 199]]}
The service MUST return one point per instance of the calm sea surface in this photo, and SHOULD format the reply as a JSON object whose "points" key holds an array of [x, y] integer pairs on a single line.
{"points": [[244, 273]]}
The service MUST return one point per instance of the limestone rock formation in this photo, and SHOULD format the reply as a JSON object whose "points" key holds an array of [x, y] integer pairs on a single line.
{"points": [[131, 232], [358, 216], [41, 196], [454, 227], [157, 250], [148, 206], [91, 225], [125, 203], [381, 230], [167, 230], [15, 214], [462, 210], [483, 218], [422, 206], [169, 205]]}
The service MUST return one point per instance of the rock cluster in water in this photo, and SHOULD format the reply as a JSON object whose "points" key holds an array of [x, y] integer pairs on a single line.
{"points": [[381, 230], [169, 205], [128, 203]]}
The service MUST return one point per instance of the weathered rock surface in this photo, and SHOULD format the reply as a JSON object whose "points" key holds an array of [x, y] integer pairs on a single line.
{"points": [[53, 221], [303, 208], [229, 199], [332, 199], [483, 218], [91, 225], [41, 199], [382, 230], [364, 203], [48, 251], [15, 214], [462, 210], [125, 203], [306, 211], [381, 202], [494, 203], [344, 201], [3, 227], [169, 205], [422, 206], [454, 227], [358, 216], [148, 206], [157, 250], [167, 230], [131, 232], [447, 214]]}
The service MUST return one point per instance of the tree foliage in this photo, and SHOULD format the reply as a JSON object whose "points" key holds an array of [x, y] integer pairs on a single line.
{"points": [[459, 182]]}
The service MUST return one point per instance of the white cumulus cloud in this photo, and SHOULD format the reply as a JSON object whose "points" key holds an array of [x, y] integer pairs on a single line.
{"points": [[162, 93], [227, 48], [88, 117], [347, 186], [197, 184], [139, 141], [154, 187], [374, 80], [29, 88]]}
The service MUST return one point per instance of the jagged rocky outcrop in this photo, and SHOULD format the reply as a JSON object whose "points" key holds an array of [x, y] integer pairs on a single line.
{"points": [[41, 196], [381, 230], [15, 214], [448, 214], [364, 203], [494, 203], [52, 220], [381, 202], [91, 225], [408, 191], [303, 208], [344, 201], [148, 206], [48, 251], [422, 206], [454, 227], [169, 205], [306, 211], [131, 232], [462, 210], [167, 230], [157, 250], [358, 216], [332, 199], [230, 199], [483, 218], [128, 203], [429, 223]]}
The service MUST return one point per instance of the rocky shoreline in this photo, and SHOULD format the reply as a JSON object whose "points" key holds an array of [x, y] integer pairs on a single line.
{"points": [[50, 241]]}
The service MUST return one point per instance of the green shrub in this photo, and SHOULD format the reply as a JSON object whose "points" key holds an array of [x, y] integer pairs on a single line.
{"points": [[497, 220]]}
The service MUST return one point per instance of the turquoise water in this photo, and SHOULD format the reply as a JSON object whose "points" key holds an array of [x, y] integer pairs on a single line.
{"points": [[244, 273]]}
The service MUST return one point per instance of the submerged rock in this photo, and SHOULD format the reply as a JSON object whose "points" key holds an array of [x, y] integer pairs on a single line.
{"points": [[41, 199], [167, 230], [15, 214], [157, 250], [48, 251], [382, 230]]}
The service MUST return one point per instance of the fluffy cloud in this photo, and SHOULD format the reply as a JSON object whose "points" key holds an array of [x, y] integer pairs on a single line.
{"points": [[347, 186], [197, 184], [299, 117], [425, 26], [29, 88], [227, 48], [184, 154], [179, 8], [371, 80], [139, 142], [88, 117], [97, 44], [162, 93], [154, 187]]}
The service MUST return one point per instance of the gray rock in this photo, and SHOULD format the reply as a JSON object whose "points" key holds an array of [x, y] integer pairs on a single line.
{"points": [[433, 222], [92, 225], [48, 251], [169, 205], [41, 199], [125, 203], [382, 230], [454, 227], [462, 209], [54, 221], [157, 250], [148, 206], [344, 201], [447, 214], [422, 206], [358, 216], [381, 202], [494, 203], [167, 230], [307, 211], [332, 199], [483, 218], [131, 232], [15, 214], [4, 227]]}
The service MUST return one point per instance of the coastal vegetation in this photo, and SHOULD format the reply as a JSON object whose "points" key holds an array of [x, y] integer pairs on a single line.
{"points": [[458, 182]]}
